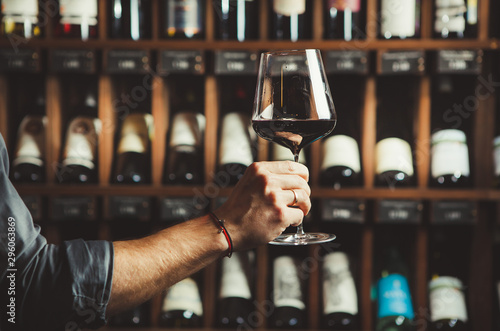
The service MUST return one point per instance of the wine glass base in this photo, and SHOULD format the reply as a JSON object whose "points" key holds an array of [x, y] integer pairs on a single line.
{"points": [[294, 239]]}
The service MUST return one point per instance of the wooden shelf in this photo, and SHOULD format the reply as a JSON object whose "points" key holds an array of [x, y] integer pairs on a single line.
{"points": [[376, 44]]}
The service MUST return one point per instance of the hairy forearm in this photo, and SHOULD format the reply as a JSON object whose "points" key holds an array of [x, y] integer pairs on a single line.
{"points": [[144, 267]]}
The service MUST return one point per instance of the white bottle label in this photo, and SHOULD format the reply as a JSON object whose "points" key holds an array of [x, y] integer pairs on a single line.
{"points": [[447, 301], [398, 18], [281, 153], [341, 150], [472, 12], [81, 142], [31, 141], [339, 290], [449, 153], [183, 296], [353, 5], [187, 129], [450, 16], [496, 155], [78, 12], [234, 282], [286, 285], [289, 7], [135, 133], [235, 144], [20, 7], [393, 154]]}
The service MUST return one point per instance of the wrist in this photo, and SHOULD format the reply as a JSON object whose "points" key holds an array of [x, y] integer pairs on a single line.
{"points": [[222, 230]]}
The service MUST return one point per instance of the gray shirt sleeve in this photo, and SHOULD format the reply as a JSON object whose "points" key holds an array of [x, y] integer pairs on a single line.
{"points": [[44, 286]]}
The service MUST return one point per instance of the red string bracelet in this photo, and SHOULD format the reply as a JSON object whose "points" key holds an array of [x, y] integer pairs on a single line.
{"points": [[222, 229]]}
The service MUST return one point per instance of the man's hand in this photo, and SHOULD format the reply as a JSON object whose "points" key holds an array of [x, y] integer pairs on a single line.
{"points": [[260, 206]]}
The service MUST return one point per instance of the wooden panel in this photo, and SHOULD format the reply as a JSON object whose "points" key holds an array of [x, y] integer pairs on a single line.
{"points": [[420, 298], [155, 19], [423, 133], [263, 20], [209, 21], [317, 19], [368, 132], [372, 19], [366, 279], [314, 162], [161, 114], [212, 116], [54, 127], [261, 285], [102, 16], [483, 17], [4, 118], [427, 19], [107, 116], [313, 290], [209, 297]]}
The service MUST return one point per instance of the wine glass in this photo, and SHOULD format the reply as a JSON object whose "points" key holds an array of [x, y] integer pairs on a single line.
{"points": [[293, 107]]}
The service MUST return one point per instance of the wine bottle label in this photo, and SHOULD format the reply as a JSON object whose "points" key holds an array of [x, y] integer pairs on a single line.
{"points": [[393, 154], [183, 296], [449, 153], [289, 7], [135, 32], [234, 282], [287, 291], [31, 141], [472, 12], [339, 290], [496, 155], [450, 16], [342, 5], [20, 10], [281, 153], [398, 18], [341, 150], [394, 298], [187, 129], [447, 301], [184, 15], [235, 144], [81, 142], [136, 133], [78, 12]]}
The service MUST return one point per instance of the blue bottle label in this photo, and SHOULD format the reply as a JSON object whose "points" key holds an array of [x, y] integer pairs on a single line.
{"points": [[394, 297]]}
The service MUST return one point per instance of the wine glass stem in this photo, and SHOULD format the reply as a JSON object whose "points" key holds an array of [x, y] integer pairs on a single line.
{"points": [[300, 229]]}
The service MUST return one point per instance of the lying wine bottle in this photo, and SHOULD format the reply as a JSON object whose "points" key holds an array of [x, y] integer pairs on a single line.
{"points": [[182, 305], [289, 307], [399, 20], [290, 20], [184, 164], [343, 20], [340, 300], [235, 148], [28, 165], [183, 19], [129, 19], [20, 18], [80, 151], [78, 19], [132, 164], [235, 306], [236, 19]]}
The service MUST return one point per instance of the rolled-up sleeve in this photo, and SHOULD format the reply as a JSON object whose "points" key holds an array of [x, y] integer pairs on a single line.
{"points": [[44, 286]]}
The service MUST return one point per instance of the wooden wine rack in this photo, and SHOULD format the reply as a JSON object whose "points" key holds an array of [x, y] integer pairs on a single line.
{"points": [[487, 199]]}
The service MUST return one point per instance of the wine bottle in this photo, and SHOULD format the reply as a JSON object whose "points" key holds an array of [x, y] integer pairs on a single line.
{"points": [[343, 20], [290, 20], [399, 19], [20, 17], [448, 251], [455, 19], [129, 19], [137, 316], [236, 19], [78, 19], [80, 151], [395, 310], [235, 147], [340, 300], [341, 164], [28, 165], [289, 307], [132, 163], [183, 19], [449, 152], [393, 153], [184, 163], [182, 307], [235, 306]]}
